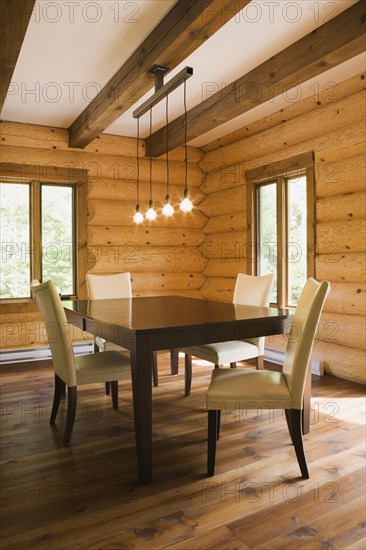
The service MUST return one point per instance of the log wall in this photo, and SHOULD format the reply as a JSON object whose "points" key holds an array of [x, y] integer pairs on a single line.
{"points": [[163, 256], [335, 131]]}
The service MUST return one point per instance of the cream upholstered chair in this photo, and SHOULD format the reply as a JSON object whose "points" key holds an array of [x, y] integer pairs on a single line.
{"points": [[69, 369], [107, 287], [248, 389], [251, 291]]}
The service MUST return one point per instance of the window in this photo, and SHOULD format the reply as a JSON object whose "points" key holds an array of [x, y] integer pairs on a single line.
{"points": [[281, 218], [39, 234]]}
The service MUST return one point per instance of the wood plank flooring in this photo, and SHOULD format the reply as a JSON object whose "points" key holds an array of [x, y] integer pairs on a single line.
{"points": [[87, 496]]}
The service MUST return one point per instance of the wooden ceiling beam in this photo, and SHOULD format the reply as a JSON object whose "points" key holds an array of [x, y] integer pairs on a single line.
{"points": [[14, 17], [185, 27], [338, 40]]}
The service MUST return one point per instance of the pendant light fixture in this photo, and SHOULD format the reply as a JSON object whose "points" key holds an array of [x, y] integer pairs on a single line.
{"points": [[162, 90], [186, 204], [151, 213], [138, 217], [168, 210]]}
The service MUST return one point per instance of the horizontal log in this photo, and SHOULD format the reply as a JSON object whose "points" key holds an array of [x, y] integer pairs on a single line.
{"points": [[343, 330], [226, 245], [163, 281], [341, 176], [219, 289], [343, 268], [101, 166], [162, 259], [224, 268], [346, 236], [348, 298], [237, 221], [224, 202], [109, 189], [30, 333], [109, 213], [340, 151], [341, 361], [330, 145], [345, 207], [312, 125], [151, 236], [297, 109], [46, 137]]}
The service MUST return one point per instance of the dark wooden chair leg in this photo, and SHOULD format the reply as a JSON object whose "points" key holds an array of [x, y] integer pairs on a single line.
{"points": [[107, 388], [296, 427], [188, 374], [71, 411], [174, 361], [305, 416], [218, 425], [289, 425], [212, 438], [114, 391], [155, 369], [59, 388], [260, 362]]}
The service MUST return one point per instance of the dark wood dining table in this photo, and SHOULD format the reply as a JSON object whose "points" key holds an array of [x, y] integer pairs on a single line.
{"points": [[147, 324]]}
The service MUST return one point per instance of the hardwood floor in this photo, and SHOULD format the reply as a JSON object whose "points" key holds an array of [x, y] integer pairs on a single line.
{"points": [[87, 496]]}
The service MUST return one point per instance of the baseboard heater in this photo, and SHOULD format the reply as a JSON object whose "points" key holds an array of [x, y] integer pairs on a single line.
{"points": [[36, 354], [277, 357]]}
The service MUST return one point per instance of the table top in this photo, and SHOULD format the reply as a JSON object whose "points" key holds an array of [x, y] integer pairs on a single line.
{"points": [[168, 312]]}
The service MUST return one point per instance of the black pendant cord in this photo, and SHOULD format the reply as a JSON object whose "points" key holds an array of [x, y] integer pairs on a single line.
{"points": [[167, 145], [185, 136], [150, 202], [138, 161]]}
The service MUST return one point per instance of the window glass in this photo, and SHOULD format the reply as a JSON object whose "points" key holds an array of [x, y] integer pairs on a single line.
{"points": [[15, 240], [296, 238], [57, 237], [267, 233]]}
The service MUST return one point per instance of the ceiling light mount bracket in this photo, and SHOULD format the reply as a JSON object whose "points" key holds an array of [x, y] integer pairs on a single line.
{"points": [[164, 89]]}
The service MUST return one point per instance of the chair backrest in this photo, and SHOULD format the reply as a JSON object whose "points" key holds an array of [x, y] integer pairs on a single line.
{"points": [[301, 337], [251, 290], [105, 287], [57, 328]]}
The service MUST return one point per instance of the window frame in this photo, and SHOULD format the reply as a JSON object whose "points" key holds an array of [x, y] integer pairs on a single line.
{"points": [[36, 176], [279, 173]]}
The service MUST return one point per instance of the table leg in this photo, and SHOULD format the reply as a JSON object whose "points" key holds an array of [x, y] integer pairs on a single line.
{"points": [[174, 360], [141, 365]]}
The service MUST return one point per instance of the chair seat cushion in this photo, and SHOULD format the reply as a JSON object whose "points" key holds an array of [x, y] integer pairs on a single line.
{"points": [[247, 389], [224, 352], [101, 367], [104, 345]]}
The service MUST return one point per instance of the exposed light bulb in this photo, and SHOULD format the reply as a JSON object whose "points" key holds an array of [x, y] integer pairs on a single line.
{"points": [[168, 210], [138, 217], [151, 214], [186, 205]]}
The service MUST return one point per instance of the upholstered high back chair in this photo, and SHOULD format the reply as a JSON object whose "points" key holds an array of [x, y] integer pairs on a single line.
{"points": [[251, 291], [108, 287], [71, 370], [245, 389], [105, 287]]}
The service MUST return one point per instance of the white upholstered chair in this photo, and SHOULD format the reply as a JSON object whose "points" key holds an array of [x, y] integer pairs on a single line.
{"points": [[71, 370], [251, 291], [107, 287], [232, 389]]}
